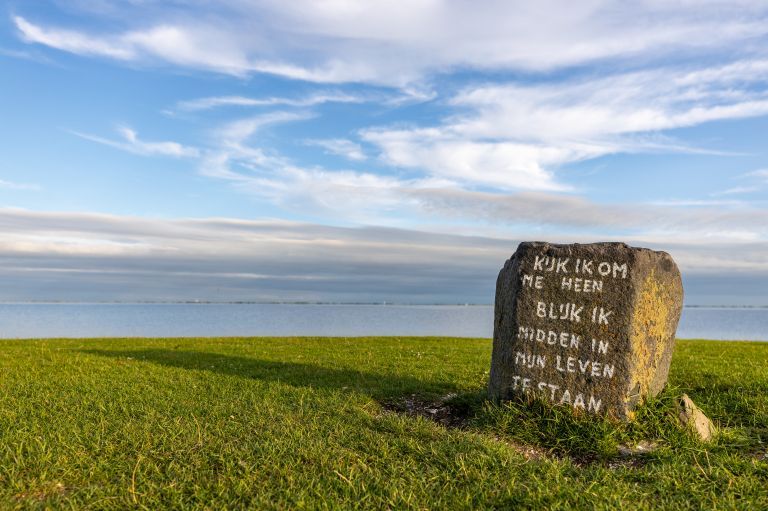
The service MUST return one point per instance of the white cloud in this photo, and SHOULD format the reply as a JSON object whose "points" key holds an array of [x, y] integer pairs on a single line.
{"points": [[341, 147], [77, 256], [685, 203], [116, 257], [198, 46], [234, 158], [10, 185], [636, 102], [716, 221], [72, 41], [514, 136], [33, 56], [506, 138], [511, 135], [132, 144], [208, 103], [237, 132], [502, 165], [757, 178], [399, 43], [367, 197], [736, 190]]}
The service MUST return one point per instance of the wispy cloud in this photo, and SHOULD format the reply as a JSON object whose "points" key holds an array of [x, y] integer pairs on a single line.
{"points": [[369, 197], [504, 165], [509, 135], [736, 190], [238, 131], [758, 180], [686, 203], [713, 220], [459, 117], [209, 103], [131, 143], [399, 44], [341, 147], [10, 185], [33, 56], [234, 157], [512, 135], [72, 41], [642, 101]]}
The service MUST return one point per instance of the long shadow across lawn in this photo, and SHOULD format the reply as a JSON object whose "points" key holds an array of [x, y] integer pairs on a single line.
{"points": [[380, 386], [436, 400]]}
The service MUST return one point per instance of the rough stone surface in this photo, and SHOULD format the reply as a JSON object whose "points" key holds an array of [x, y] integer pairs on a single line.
{"points": [[692, 417], [586, 325], [639, 449]]}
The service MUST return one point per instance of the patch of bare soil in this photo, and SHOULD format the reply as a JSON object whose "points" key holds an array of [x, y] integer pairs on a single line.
{"points": [[439, 411]]}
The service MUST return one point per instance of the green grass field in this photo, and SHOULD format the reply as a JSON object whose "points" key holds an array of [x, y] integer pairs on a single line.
{"points": [[324, 423]]}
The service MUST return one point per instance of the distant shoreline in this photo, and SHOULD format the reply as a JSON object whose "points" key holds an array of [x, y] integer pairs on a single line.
{"points": [[385, 304], [174, 319]]}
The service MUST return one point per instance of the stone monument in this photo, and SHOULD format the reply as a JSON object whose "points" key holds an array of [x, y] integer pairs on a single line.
{"points": [[586, 325]]}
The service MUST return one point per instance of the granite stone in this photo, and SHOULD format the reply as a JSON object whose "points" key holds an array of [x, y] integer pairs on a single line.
{"points": [[590, 326]]}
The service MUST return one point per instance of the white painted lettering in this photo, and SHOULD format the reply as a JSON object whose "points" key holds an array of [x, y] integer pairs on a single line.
{"points": [[603, 317], [594, 404], [600, 315]]}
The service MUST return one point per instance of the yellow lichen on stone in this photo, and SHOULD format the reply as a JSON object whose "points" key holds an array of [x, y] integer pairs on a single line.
{"points": [[648, 333]]}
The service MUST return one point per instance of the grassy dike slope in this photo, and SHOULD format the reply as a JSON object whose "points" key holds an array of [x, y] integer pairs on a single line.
{"points": [[329, 423]]}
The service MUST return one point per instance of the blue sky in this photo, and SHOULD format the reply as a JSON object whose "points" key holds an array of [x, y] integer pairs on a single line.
{"points": [[350, 151]]}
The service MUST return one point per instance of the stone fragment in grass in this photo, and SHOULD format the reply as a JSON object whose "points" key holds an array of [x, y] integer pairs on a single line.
{"points": [[691, 416], [640, 448], [591, 326]]}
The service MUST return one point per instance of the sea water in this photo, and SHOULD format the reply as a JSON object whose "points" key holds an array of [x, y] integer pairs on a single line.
{"points": [[204, 320]]}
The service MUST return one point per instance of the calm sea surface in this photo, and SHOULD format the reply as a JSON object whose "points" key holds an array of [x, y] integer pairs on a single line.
{"points": [[177, 320]]}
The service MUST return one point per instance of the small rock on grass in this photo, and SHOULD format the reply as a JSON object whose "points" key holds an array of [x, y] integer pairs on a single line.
{"points": [[642, 447], [692, 417]]}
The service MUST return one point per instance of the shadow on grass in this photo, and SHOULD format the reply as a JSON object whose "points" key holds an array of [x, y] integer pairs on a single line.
{"points": [[550, 430], [380, 386]]}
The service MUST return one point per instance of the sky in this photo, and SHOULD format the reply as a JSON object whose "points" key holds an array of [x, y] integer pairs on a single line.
{"points": [[347, 151]]}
